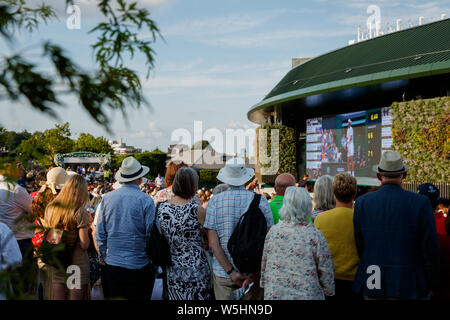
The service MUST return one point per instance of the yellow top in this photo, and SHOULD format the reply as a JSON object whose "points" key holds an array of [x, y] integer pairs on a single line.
{"points": [[337, 227]]}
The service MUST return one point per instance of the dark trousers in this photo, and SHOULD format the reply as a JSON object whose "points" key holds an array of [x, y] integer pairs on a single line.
{"points": [[130, 284], [28, 266], [343, 291], [26, 249]]}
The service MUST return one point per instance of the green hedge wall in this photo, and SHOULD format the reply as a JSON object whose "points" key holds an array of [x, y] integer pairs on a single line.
{"points": [[287, 148], [209, 177], [421, 133]]}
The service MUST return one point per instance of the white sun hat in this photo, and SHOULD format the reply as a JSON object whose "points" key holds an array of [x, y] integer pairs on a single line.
{"points": [[56, 178], [235, 173], [131, 170]]}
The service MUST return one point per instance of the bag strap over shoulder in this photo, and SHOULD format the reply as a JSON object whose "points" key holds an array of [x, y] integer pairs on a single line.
{"points": [[255, 202], [156, 211]]}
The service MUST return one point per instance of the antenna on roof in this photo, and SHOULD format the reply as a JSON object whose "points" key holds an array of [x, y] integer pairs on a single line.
{"points": [[359, 34], [399, 26]]}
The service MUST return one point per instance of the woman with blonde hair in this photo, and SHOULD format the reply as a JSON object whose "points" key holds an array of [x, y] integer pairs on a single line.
{"points": [[55, 180], [67, 212]]}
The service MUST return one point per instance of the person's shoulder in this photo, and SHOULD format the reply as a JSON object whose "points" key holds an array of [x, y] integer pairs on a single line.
{"points": [[419, 199], [5, 230], [369, 196], [109, 195], [414, 195], [220, 196]]}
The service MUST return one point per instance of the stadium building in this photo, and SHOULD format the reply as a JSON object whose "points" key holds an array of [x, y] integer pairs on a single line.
{"points": [[339, 102]]}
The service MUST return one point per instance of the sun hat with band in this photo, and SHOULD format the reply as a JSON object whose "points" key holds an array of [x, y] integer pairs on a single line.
{"points": [[391, 164], [235, 173], [130, 170], [56, 178]]}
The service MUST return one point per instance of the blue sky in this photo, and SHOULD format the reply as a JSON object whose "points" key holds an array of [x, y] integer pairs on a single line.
{"points": [[218, 59]]}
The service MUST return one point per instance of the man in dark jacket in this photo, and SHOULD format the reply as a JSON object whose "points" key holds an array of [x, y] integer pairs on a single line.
{"points": [[396, 238]]}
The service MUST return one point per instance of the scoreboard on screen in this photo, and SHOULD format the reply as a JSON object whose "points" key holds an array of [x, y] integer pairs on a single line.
{"points": [[373, 136]]}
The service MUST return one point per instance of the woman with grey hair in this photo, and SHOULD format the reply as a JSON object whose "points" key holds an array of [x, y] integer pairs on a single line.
{"points": [[297, 262], [180, 219], [324, 199], [220, 188]]}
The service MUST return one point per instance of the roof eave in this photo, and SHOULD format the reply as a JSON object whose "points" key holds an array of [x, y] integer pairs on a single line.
{"points": [[359, 81]]}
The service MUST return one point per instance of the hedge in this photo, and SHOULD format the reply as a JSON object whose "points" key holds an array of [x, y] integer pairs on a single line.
{"points": [[286, 151], [209, 176], [421, 134]]}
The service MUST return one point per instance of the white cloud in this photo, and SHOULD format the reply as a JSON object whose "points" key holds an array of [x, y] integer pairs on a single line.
{"points": [[139, 134], [407, 12], [219, 25], [186, 81], [241, 125], [154, 130], [269, 39]]}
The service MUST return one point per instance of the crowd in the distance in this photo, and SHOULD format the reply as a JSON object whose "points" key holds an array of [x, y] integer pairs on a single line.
{"points": [[386, 244]]}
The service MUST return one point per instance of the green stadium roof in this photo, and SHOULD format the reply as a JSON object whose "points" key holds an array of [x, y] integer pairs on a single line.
{"points": [[410, 53]]}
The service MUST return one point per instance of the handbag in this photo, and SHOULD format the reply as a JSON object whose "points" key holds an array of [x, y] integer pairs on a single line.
{"points": [[158, 248], [54, 250]]}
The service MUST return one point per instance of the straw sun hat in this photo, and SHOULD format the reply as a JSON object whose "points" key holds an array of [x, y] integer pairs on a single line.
{"points": [[56, 178]]}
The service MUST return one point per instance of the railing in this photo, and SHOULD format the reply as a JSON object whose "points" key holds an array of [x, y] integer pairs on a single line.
{"points": [[444, 187]]}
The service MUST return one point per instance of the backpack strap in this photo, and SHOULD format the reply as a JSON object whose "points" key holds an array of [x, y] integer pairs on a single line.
{"points": [[255, 202]]}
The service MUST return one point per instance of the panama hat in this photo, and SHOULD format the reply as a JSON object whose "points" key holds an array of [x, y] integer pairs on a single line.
{"points": [[56, 178], [391, 164], [131, 170], [235, 173]]}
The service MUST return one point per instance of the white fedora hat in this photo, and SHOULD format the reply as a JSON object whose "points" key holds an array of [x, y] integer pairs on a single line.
{"points": [[131, 170], [235, 173], [391, 164]]}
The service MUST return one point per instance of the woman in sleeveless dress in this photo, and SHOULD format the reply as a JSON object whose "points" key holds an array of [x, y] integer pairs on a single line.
{"points": [[67, 212], [180, 220]]}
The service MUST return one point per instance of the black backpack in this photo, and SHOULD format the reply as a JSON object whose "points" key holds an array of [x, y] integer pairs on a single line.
{"points": [[158, 249], [246, 243]]}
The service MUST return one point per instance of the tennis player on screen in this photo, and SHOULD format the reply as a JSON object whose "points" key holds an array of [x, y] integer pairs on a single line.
{"points": [[350, 149]]}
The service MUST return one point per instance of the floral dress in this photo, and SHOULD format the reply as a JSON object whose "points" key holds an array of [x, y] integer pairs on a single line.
{"points": [[297, 263], [189, 278]]}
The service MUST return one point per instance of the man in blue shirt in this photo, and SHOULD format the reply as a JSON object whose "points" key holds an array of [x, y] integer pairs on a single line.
{"points": [[124, 222]]}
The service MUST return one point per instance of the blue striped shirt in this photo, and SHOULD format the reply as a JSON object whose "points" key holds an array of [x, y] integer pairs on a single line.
{"points": [[223, 213], [124, 221]]}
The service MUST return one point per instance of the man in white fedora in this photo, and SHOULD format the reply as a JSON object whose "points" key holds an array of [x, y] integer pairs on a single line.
{"points": [[396, 238], [222, 215], [124, 220]]}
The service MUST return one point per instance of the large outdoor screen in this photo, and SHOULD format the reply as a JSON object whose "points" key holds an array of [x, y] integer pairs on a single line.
{"points": [[349, 142]]}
